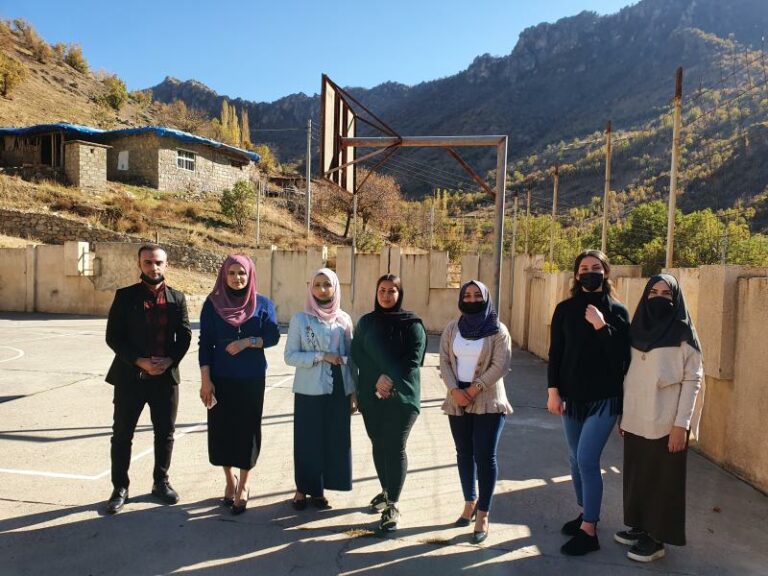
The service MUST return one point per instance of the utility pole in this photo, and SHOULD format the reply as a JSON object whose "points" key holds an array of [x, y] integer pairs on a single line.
{"points": [[676, 127], [527, 218], [309, 173], [554, 216], [514, 253], [608, 158], [514, 226], [259, 187], [432, 224], [354, 243]]}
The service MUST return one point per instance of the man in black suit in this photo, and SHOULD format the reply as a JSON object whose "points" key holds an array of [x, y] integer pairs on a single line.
{"points": [[148, 329]]}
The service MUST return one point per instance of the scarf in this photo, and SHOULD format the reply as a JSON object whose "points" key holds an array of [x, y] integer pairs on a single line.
{"points": [[328, 312], [233, 309], [647, 332], [480, 324]]}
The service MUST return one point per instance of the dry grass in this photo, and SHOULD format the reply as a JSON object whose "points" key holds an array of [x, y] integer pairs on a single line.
{"points": [[13, 242], [168, 216]]}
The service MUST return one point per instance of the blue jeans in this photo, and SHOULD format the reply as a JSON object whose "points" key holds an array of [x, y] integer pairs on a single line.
{"points": [[586, 440], [476, 437]]}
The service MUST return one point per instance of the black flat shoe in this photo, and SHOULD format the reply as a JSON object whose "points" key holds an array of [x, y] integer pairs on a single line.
{"points": [[580, 544], [239, 507], [321, 503], [462, 522], [478, 537], [117, 500], [572, 527], [164, 492]]}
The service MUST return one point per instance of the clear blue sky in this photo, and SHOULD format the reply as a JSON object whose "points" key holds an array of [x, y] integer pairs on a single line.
{"points": [[262, 51]]}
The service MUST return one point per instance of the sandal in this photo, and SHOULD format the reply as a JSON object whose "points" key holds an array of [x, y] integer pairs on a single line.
{"points": [[299, 503], [320, 502], [228, 502]]}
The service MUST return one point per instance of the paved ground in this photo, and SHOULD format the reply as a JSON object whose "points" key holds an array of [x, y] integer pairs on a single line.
{"points": [[55, 417]]}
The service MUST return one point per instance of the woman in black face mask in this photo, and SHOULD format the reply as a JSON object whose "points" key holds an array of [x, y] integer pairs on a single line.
{"points": [[475, 352], [660, 391], [588, 356]]}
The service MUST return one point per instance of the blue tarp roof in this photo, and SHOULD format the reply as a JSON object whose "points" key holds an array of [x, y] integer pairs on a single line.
{"points": [[78, 130]]}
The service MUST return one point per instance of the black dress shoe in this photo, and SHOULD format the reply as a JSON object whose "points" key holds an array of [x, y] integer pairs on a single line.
{"points": [[164, 491], [117, 500]]}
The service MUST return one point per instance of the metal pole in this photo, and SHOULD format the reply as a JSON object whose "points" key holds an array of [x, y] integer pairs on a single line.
{"points": [[432, 224], [527, 218], [354, 242], [608, 158], [258, 211], [514, 253], [501, 184], [675, 165], [554, 216], [309, 173]]}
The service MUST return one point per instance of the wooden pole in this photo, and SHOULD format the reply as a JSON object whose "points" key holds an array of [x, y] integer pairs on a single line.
{"points": [[554, 216], [676, 128]]}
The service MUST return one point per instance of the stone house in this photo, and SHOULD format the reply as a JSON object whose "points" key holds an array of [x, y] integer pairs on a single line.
{"points": [[159, 157]]}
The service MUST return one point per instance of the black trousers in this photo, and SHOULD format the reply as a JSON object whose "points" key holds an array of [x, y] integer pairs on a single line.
{"points": [[129, 400], [388, 424]]}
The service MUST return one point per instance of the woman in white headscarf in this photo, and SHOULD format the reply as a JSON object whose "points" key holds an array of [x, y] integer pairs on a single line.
{"points": [[318, 345]]}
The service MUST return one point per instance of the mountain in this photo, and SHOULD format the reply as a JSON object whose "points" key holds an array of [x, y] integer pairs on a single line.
{"points": [[561, 81]]}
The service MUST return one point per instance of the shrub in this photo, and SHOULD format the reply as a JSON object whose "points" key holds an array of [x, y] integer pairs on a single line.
{"points": [[12, 73], [142, 98], [39, 47], [74, 57], [116, 94], [237, 203], [60, 50]]}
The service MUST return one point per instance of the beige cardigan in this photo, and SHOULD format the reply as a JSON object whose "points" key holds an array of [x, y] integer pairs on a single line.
{"points": [[492, 365], [660, 390]]}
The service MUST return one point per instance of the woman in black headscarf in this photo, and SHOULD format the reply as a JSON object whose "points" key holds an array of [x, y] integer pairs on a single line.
{"points": [[660, 391], [475, 352], [388, 348]]}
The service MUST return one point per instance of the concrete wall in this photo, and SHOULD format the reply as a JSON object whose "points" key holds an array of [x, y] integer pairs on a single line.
{"points": [[729, 305]]}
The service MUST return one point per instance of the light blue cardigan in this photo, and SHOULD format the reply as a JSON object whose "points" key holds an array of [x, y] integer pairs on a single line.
{"points": [[308, 336]]}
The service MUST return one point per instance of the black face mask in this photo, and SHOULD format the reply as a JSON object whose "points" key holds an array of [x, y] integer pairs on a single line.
{"points": [[323, 302], [152, 281], [659, 307], [591, 281], [472, 307]]}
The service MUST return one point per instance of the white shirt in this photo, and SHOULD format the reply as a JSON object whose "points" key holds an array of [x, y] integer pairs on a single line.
{"points": [[467, 353]]}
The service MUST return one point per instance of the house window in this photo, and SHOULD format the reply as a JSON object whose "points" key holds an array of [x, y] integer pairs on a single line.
{"points": [[185, 160]]}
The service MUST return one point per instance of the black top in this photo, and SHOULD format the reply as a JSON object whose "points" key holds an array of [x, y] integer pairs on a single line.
{"points": [[588, 365], [127, 333], [648, 332]]}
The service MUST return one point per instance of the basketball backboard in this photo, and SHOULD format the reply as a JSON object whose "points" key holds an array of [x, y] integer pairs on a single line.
{"points": [[337, 121]]}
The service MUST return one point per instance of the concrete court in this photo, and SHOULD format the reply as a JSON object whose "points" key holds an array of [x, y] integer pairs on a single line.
{"points": [[55, 420]]}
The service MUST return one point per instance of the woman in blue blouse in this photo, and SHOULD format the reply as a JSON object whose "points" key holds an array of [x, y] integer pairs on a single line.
{"points": [[319, 341], [236, 324]]}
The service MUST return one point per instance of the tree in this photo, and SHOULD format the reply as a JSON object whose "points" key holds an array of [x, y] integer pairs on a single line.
{"points": [[237, 204], [74, 57], [12, 73], [117, 93], [268, 161], [245, 129], [230, 126]]}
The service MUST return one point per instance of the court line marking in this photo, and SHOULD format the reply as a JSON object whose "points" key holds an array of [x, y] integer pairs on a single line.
{"points": [[19, 354], [139, 456]]}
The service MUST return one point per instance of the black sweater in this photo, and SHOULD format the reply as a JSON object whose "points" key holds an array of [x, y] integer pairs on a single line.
{"points": [[588, 365]]}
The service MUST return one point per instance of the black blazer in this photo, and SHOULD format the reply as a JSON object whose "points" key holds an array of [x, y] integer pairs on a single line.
{"points": [[126, 333]]}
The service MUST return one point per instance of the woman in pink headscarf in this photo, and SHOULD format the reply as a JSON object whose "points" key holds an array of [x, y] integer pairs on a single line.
{"points": [[236, 324], [319, 341]]}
